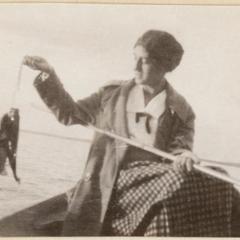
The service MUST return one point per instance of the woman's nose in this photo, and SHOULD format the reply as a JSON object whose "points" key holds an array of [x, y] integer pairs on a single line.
{"points": [[138, 65]]}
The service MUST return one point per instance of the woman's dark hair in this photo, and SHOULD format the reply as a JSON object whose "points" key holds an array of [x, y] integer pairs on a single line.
{"points": [[163, 47]]}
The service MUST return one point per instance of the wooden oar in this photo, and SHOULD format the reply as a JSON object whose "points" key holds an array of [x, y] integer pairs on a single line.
{"points": [[166, 155], [212, 162]]}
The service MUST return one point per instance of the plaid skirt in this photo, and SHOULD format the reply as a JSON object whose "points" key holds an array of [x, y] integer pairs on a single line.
{"points": [[152, 199]]}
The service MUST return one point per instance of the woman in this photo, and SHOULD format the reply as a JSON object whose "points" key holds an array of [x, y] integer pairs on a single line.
{"points": [[126, 191]]}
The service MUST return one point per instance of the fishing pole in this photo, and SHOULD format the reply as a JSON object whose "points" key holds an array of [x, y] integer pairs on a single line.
{"points": [[164, 154]]}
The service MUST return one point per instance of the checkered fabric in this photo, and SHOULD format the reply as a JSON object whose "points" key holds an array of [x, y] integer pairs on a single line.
{"points": [[153, 199]]}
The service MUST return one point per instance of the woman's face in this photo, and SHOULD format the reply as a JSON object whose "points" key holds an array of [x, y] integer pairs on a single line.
{"points": [[147, 70]]}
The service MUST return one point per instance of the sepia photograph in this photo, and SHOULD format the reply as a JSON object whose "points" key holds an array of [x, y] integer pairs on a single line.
{"points": [[119, 120]]}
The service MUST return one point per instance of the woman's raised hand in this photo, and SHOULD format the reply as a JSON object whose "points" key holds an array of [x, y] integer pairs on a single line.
{"points": [[37, 63]]}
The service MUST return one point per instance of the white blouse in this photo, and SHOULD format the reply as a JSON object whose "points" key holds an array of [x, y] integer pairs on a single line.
{"points": [[155, 108]]}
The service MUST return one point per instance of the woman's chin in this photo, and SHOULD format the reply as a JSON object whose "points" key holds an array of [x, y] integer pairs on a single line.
{"points": [[139, 81]]}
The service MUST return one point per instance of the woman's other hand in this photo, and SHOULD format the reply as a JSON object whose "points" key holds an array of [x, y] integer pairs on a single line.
{"points": [[185, 161]]}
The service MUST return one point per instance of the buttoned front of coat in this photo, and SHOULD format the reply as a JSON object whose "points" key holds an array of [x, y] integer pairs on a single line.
{"points": [[106, 109]]}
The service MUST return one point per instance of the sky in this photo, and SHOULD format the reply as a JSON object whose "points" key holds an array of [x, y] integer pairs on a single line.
{"points": [[91, 44]]}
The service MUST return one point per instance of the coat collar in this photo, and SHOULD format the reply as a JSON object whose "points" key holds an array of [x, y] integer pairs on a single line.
{"points": [[174, 101]]}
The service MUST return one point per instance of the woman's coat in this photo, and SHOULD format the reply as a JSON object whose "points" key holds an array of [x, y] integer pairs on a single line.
{"points": [[106, 109]]}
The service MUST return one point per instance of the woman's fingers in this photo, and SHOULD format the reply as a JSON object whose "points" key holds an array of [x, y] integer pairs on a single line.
{"points": [[37, 63], [179, 164], [189, 164], [29, 61], [185, 161]]}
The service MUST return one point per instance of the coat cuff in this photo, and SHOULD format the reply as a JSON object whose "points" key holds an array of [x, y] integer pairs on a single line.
{"points": [[41, 78], [47, 80]]}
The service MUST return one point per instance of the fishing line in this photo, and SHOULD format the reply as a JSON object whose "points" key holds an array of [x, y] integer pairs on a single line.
{"points": [[17, 86]]}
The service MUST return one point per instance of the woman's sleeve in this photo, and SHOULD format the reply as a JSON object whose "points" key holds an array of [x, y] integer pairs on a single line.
{"points": [[66, 110]]}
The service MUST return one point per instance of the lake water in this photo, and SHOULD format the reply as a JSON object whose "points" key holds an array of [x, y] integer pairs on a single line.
{"points": [[47, 166]]}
